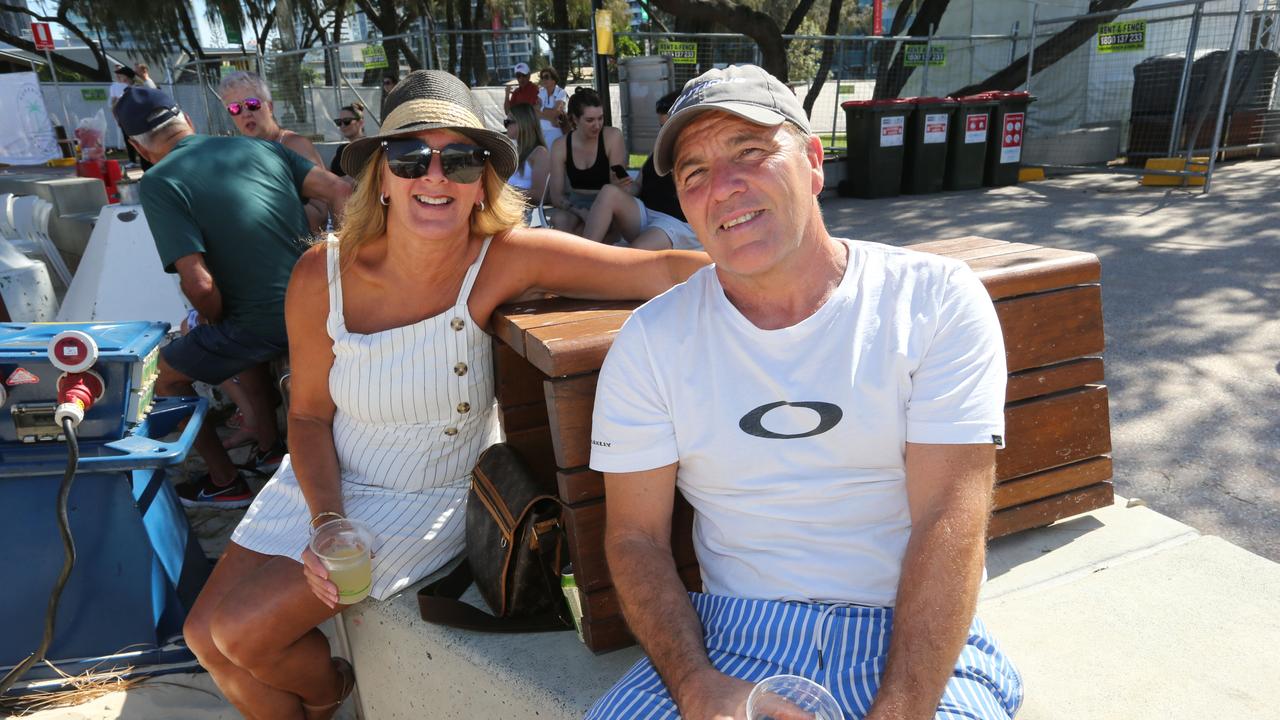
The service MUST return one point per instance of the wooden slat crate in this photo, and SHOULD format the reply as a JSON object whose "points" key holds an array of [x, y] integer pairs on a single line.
{"points": [[1057, 464]]}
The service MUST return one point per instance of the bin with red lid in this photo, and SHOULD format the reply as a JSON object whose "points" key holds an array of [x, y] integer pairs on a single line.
{"points": [[967, 142], [925, 163], [1005, 137], [876, 131]]}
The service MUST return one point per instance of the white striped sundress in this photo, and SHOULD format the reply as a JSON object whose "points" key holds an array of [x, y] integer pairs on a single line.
{"points": [[414, 410]]}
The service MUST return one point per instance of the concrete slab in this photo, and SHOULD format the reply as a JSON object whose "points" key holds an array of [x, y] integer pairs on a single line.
{"points": [[1189, 632]]}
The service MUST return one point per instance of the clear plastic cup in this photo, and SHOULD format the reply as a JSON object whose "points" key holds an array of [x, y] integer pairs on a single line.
{"points": [[791, 697], [344, 547]]}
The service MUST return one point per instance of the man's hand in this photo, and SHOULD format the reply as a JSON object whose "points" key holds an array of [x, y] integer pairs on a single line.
{"points": [[712, 695]]}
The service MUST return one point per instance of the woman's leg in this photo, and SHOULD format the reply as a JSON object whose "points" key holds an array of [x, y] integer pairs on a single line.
{"points": [[652, 239], [565, 221], [254, 629], [613, 208]]}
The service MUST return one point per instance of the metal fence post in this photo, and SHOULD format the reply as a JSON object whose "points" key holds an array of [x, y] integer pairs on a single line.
{"points": [[835, 106], [1226, 91], [1031, 49], [928, 55], [1184, 85]]}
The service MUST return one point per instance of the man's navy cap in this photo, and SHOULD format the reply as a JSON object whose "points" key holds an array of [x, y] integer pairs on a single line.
{"points": [[142, 110]]}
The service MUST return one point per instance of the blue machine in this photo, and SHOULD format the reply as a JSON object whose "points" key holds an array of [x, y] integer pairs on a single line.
{"points": [[138, 567]]}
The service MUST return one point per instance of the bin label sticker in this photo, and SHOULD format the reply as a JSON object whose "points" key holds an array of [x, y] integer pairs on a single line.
{"points": [[935, 128], [1122, 36], [892, 128], [975, 128], [681, 53], [1011, 140]]}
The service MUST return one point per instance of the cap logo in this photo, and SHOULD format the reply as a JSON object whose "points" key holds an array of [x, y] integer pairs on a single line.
{"points": [[695, 93]]}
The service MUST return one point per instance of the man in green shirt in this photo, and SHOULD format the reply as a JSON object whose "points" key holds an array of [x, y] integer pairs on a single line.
{"points": [[227, 217]]}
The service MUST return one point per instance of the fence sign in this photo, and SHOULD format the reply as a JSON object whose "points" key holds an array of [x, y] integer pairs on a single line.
{"points": [[975, 128], [914, 55], [93, 94], [681, 53], [1122, 36], [892, 129], [1011, 138], [374, 57], [42, 35]]}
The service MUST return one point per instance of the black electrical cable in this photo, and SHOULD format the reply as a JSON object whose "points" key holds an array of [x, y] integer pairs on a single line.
{"points": [[68, 562]]}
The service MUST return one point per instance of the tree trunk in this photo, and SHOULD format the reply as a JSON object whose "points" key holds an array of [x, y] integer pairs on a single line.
{"points": [[467, 65], [561, 44], [480, 66], [893, 74], [1058, 46], [754, 24], [828, 55], [453, 37]]}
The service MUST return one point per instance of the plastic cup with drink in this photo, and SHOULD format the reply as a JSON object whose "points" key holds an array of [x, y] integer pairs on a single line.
{"points": [[791, 697], [344, 546]]}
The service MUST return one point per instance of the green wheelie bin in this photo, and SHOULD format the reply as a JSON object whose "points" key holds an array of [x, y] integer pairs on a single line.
{"points": [[1005, 137], [926, 146], [876, 131], [967, 142]]}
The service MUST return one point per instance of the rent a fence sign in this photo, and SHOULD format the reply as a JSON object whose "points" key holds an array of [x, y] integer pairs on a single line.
{"points": [[915, 54], [681, 53], [374, 57], [1122, 36]]}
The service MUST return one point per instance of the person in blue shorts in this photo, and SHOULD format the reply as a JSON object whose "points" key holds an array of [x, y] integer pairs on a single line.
{"points": [[227, 216], [831, 410]]}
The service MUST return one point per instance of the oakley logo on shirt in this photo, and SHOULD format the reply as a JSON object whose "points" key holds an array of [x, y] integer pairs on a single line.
{"points": [[828, 417]]}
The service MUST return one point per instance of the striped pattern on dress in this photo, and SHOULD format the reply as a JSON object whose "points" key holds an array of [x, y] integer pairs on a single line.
{"points": [[414, 410], [842, 647]]}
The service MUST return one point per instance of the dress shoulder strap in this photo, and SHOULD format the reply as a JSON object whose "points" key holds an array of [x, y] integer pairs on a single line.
{"points": [[464, 294], [335, 282]]}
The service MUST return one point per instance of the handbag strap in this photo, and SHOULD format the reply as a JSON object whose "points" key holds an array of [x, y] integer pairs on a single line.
{"points": [[438, 603]]}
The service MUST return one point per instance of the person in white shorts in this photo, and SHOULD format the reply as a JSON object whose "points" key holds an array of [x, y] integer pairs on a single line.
{"points": [[647, 213], [831, 410]]}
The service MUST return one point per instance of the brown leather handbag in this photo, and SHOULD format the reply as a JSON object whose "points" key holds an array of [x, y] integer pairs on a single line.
{"points": [[515, 550]]}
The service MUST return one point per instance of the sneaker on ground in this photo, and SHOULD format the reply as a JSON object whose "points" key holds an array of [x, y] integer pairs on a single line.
{"points": [[202, 492], [266, 461]]}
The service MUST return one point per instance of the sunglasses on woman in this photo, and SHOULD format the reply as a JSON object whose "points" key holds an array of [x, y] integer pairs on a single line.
{"points": [[251, 104], [411, 158], [508, 122], [343, 122]]}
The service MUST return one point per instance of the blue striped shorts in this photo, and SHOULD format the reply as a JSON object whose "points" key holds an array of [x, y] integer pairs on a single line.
{"points": [[756, 639]]}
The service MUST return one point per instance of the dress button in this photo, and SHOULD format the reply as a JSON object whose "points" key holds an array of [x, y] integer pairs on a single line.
{"points": [[464, 407], [451, 431], [457, 323], [460, 369]]}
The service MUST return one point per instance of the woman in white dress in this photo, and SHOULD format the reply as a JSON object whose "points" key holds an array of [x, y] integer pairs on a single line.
{"points": [[392, 386], [553, 103]]}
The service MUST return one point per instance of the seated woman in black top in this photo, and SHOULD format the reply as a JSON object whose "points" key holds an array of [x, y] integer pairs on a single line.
{"points": [[584, 161], [350, 122], [646, 214]]}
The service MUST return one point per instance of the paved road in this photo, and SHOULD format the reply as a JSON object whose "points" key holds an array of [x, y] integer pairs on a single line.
{"points": [[1191, 297]]}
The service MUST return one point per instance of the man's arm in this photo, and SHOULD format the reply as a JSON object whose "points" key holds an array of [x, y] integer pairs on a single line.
{"points": [[321, 184], [198, 285], [654, 602], [949, 492]]}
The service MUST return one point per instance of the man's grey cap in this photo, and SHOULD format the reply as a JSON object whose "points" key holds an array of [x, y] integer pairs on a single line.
{"points": [[743, 90]]}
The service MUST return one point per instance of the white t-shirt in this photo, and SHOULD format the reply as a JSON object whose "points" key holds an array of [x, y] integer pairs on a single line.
{"points": [[117, 90], [791, 442], [550, 130]]}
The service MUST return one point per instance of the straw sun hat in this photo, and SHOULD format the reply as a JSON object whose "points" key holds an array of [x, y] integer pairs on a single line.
{"points": [[432, 100]]}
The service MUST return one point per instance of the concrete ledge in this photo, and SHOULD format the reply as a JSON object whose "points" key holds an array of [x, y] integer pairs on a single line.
{"points": [[1119, 613]]}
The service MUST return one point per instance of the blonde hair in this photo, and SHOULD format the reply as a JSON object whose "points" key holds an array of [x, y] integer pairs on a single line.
{"points": [[529, 131], [365, 217]]}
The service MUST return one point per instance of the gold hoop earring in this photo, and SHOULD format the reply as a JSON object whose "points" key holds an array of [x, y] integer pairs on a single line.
{"points": [[385, 199]]}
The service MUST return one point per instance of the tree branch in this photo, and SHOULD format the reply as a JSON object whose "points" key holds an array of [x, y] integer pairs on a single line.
{"points": [[828, 56], [754, 24], [797, 17]]}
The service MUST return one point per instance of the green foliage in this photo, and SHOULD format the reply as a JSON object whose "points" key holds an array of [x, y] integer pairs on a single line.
{"points": [[626, 47], [803, 55]]}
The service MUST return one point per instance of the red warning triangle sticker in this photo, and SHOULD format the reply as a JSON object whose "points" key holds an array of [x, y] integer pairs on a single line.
{"points": [[21, 376]]}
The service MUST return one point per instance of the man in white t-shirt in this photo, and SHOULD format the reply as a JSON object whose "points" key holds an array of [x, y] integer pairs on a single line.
{"points": [[831, 410]]}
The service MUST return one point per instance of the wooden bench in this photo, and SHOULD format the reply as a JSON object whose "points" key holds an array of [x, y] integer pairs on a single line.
{"points": [[548, 354]]}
